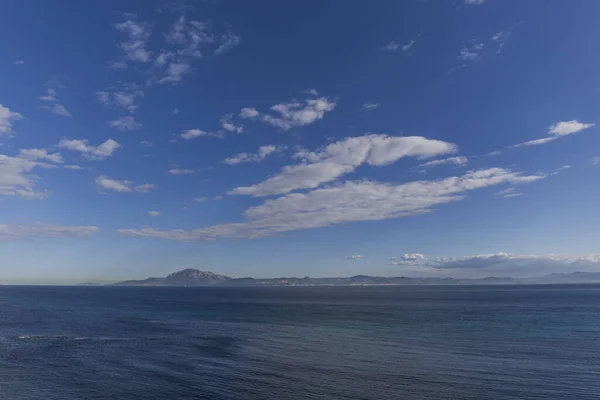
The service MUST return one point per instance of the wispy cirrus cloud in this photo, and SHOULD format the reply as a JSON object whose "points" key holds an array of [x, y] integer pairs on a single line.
{"points": [[500, 38], [395, 46], [456, 161], [187, 41], [22, 232], [177, 171], [195, 133], [349, 202], [370, 106], [508, 193], [262, 153], [228, 41], [470, 52], [557, 131], [343, 157], [107, 183], [51, 98]]}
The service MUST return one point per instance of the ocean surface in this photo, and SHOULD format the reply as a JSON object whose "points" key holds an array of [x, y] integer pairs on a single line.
{"points": [[519, 342]]}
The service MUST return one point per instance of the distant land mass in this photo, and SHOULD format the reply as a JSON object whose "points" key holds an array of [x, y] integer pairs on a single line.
{"points": [[194, 277]]}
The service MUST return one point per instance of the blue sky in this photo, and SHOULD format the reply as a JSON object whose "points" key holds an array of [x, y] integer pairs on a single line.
{"points": [[422, 138]]}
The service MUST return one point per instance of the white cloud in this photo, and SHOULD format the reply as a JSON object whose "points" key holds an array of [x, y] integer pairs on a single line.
{"points": [[535, 142], [19, 62], [249, 113], [568, 127], [175, 111], [154, 213], [474, 2], [261, 154], [408, 259], [145, 188], [51, 97], [558, 130], [187, 37], [194, 133], [103, 96], [500, 38], [508, 193], [312, 92], [201, 199], [73, 166], [343, 157], [124, 97], [299, 114], [21, 232], [123, 124], [391, 46], [112, 184], [458, 161], [175, 72], [354, 257], [406, 47], [58, 109], [16, 179], [228, 42], [184, 42], [348, 202], [370, 106], [7, 118], [596, 160], [218, 198], [123, 185], [147, 143], [134, 47], [228, 125], [394, 46], [175, 171], [117, 65], [40, 154], [470, 53], [100, 152]]}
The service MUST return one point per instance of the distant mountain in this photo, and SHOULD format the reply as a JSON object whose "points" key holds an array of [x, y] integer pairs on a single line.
{"points": [[186, 277], [194, 277], [574, 277]]}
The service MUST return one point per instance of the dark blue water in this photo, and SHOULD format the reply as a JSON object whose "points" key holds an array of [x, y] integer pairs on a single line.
{"points": [[300, 343]]}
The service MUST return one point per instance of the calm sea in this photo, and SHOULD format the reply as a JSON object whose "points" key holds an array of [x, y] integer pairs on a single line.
{"points": [[534, 342]]}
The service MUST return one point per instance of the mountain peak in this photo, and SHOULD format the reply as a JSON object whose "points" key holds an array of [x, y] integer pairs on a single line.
{"points": [[194, 277]]}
